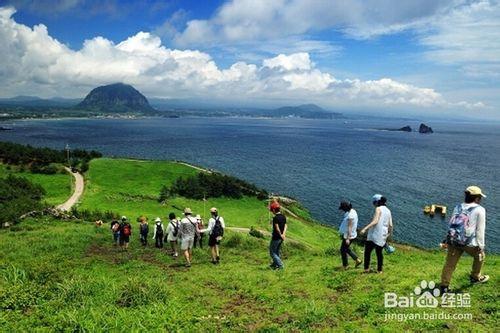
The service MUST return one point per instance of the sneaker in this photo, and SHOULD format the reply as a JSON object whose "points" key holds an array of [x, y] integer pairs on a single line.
{"points": [[481, 279], [444, 290], [358, 262], [188, 264]]}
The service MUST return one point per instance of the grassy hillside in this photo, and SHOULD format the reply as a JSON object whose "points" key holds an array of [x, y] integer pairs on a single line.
{"points": [[57, 186], [68, 276]]}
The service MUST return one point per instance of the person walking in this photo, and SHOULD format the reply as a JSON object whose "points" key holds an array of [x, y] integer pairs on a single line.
{"points": [[143, 230], [125, 233], [278, 235], [198, 238], [115, 229], [466, 233], [215, 231], [348, 233], [172, 233], [158, 233], [379, 230], [188, 229]]}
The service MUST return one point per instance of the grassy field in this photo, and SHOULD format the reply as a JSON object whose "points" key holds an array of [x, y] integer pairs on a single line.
{"points": [[58, 186], [67, 276]]}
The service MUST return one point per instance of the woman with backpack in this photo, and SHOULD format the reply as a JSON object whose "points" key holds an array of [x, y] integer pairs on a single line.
{"points": [[125, 233], [172, 233], [466, 234], [215, 231], [144, 230], [379, 230], [158, 233]]}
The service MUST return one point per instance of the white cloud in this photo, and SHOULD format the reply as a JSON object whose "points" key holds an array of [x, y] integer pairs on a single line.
{"points": [[469, 36], [250, 20], [35, 63]]}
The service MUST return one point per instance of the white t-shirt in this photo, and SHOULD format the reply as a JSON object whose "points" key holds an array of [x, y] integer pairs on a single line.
{"points": [[380, 231], [170, 230], [211, 224], [478, 216], [344, 226]]}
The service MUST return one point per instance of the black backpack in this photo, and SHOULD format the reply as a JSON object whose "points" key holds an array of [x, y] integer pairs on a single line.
{"points": [[217, 229], [159, 229], [176, 229]]}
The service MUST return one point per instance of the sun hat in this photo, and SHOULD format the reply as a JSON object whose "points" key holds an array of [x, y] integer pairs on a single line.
{"points": [[376, 197], [187, 211], [198, 217], [213, 210], [124, 218], [158, 219], [475, 190]]}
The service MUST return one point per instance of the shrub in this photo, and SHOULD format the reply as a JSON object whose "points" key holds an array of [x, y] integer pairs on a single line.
{"points": [[213, 185], [17, 197], [256, 233]]}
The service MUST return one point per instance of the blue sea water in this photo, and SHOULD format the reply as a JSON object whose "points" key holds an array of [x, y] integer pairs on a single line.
{"points": [[316, 161]]}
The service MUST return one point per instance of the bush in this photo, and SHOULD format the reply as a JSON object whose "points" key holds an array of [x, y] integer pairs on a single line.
{"points": [[214, 185], [94, 215], [256, 233], [17, 197]]}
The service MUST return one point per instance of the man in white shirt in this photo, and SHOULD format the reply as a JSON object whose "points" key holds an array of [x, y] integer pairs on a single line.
{"points": [[474, 246], [215, 231]]}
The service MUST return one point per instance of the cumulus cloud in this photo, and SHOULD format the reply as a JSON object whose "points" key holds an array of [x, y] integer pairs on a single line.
{"points": [[36, 63], [246, 20], [468, 36]]}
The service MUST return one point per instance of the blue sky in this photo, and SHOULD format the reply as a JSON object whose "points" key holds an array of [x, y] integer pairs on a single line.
{"points": [[424, 56]]}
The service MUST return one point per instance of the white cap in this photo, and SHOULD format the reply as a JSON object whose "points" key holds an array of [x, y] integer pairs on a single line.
{"points": [[376, 197]]}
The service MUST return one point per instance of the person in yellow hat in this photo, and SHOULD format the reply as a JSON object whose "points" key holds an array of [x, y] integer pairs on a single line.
{"points": [[466, 234]]}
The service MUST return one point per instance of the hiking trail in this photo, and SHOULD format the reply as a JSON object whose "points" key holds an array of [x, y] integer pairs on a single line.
{"points": [[77, 193]]}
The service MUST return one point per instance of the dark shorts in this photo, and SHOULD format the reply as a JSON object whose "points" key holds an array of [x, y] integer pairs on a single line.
{"points": [[124, 239], [212, 241]]}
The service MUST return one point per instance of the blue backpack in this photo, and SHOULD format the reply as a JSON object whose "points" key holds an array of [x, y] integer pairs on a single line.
{"points": [[461, 229]]}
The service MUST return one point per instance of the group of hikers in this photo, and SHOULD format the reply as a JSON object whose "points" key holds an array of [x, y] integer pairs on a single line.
{"points": [[185, 233], [465, 234]]}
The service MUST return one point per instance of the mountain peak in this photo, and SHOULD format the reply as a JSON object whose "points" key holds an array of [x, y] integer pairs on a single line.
{"points": [[116, 97]]}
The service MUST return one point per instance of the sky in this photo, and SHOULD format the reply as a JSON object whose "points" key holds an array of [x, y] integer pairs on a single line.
{"points": [[430, 57]]}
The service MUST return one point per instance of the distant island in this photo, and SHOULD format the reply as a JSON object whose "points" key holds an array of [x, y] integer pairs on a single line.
{"points": [[423, 129], [120, 100]]}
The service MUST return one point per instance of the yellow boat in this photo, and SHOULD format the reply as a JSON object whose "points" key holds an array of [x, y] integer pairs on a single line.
{"points": [[433, 209]]}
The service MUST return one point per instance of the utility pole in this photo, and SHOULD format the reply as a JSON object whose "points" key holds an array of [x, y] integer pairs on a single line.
{"points": [[67, 155]]}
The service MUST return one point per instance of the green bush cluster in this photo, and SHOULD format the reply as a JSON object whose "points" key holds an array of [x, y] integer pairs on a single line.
{"points": [[94, 215], [40, 160], [17, 197], [212, 185]]}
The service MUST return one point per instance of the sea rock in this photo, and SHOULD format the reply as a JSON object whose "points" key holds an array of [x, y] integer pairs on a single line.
{"points": [[405, 129], [424, 129]]}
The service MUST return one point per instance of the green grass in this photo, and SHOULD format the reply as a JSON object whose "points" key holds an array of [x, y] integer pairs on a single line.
{"points": [[57, 186], [67, 276]]}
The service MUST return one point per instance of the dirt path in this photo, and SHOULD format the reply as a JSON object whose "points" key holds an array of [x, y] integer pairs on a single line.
{"points": [[77, 193]]}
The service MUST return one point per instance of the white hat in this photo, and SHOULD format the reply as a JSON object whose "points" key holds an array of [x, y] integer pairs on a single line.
{"points": [[124, 218], [158, 219], [376, 197], [198, 217]]}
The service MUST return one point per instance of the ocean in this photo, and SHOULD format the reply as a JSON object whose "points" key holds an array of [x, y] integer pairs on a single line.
{"points": [[318, 162]]}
